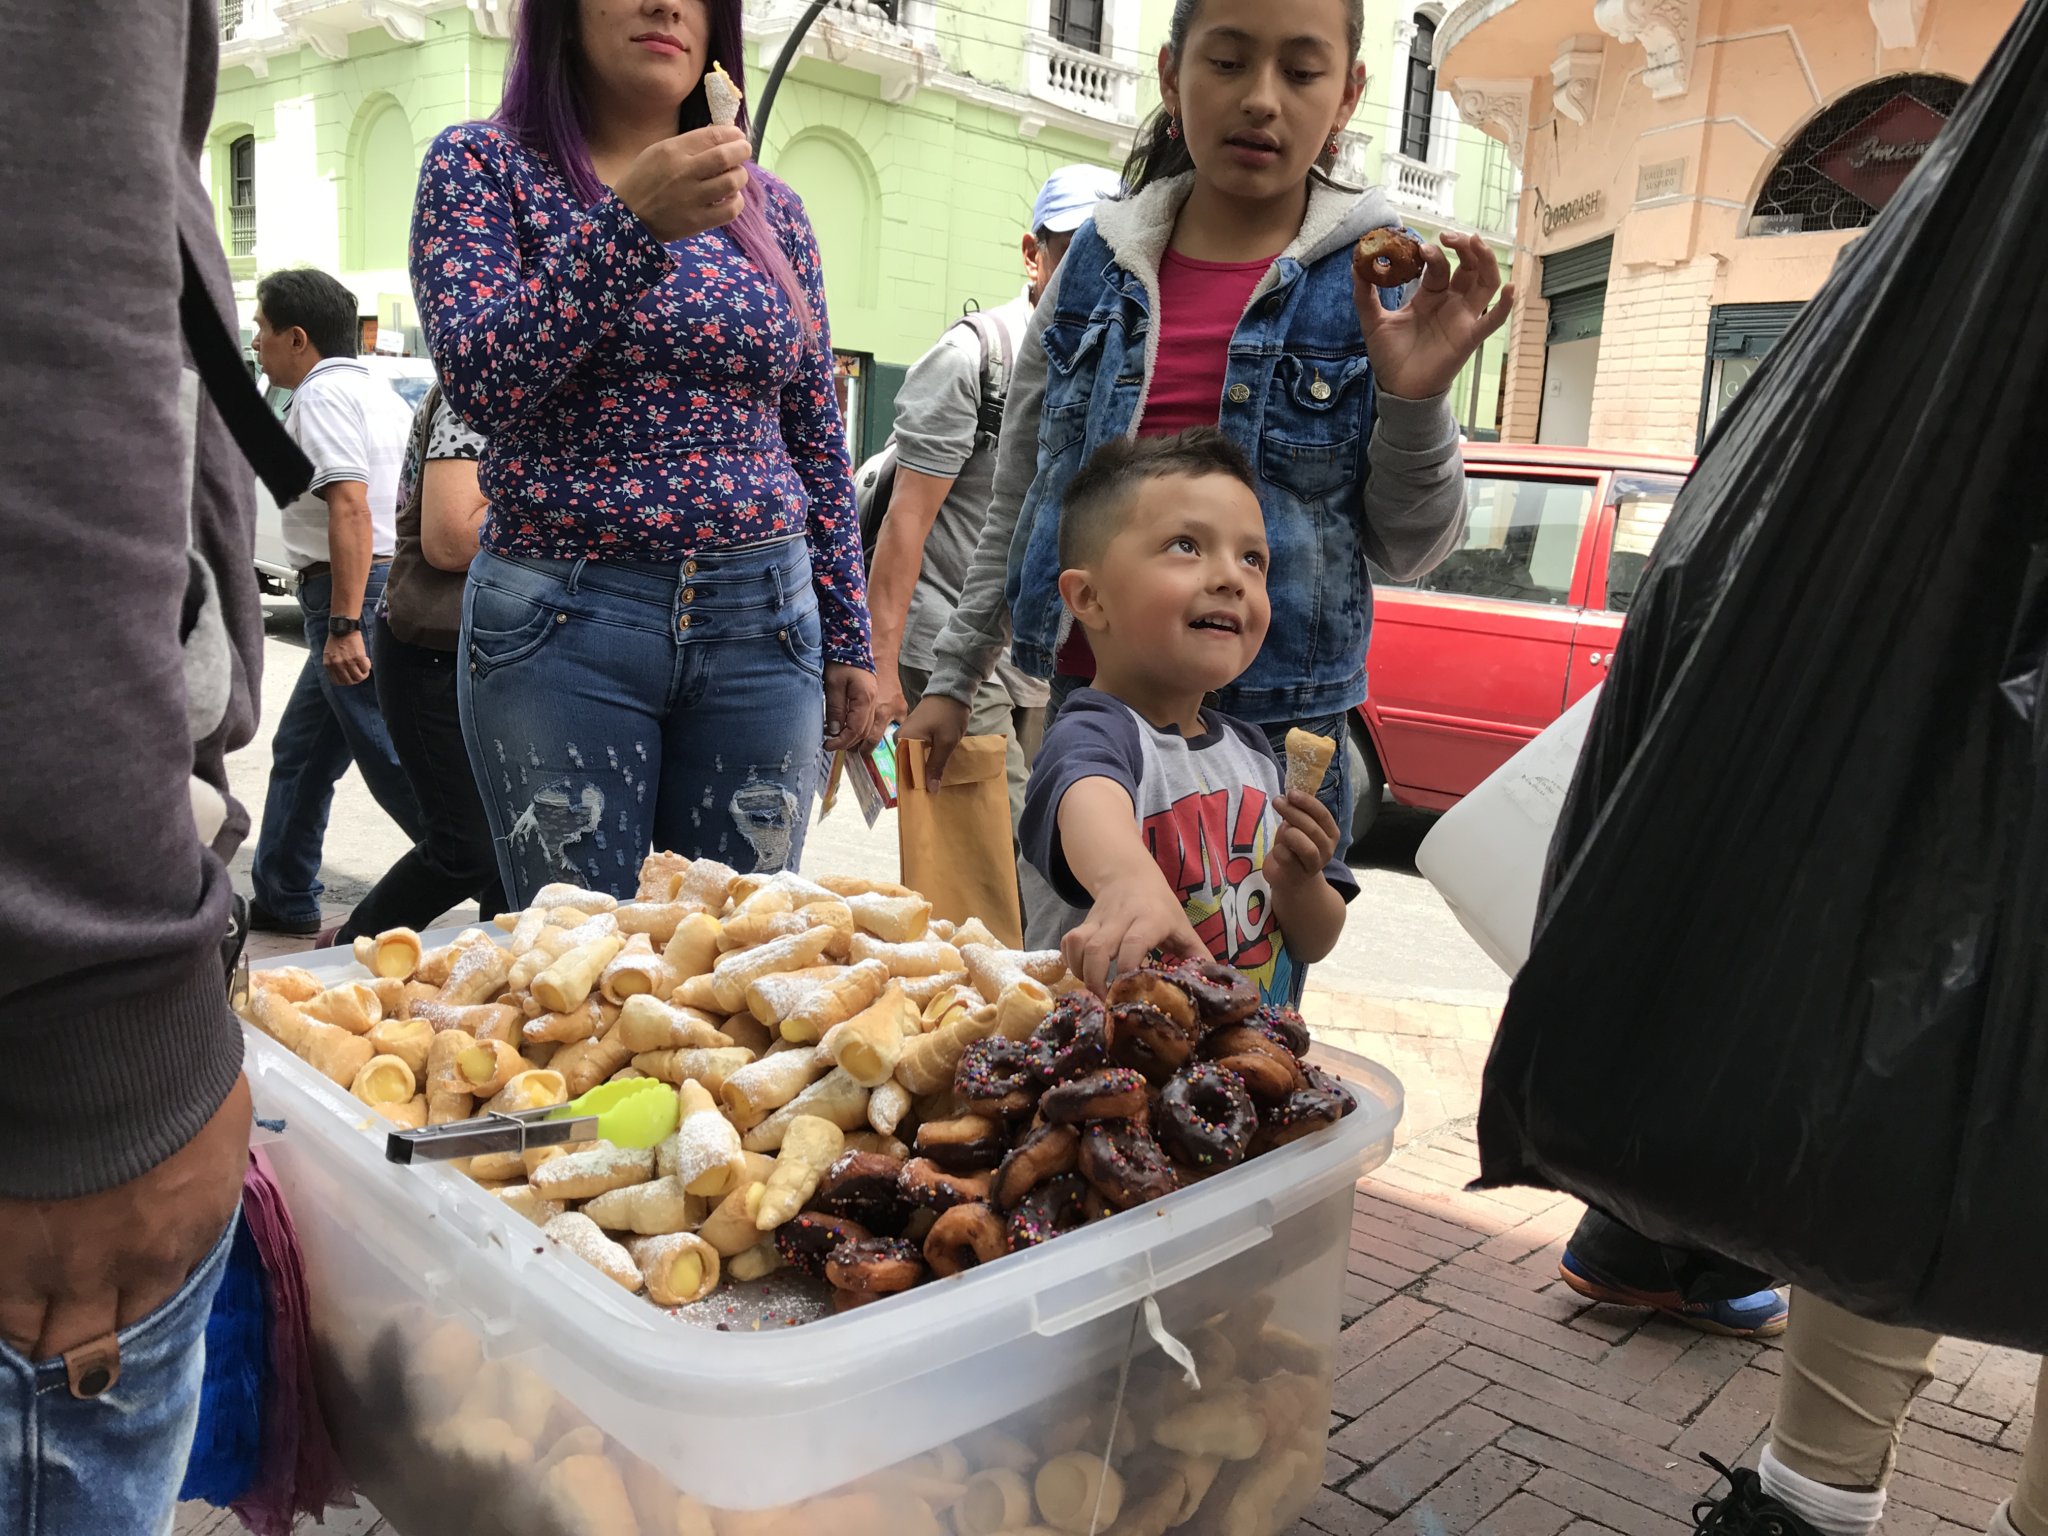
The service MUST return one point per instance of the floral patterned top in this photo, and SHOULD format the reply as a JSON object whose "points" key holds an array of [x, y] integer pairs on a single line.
{"points": [[640, 401]]}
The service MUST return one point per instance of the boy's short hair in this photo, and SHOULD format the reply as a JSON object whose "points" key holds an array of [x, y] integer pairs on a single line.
{"points": [[319, 304], [1099, 499]]}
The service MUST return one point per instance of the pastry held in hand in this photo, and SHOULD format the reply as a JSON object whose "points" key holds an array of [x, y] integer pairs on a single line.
{"points": [[1387, 258], [722, 96], [1308, 761]]}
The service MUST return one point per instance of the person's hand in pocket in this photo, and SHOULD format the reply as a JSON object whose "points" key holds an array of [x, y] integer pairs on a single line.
{"points": [[72, 1271]]}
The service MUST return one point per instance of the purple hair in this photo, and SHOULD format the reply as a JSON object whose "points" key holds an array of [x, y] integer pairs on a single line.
{"points": [[543, 109]]}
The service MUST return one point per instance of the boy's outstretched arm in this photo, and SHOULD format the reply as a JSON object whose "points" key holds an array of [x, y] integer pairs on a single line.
{"points": [[1309, 910], [1134, 910]]}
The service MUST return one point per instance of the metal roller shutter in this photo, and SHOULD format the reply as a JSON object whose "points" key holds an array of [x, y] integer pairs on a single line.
{"points": [[1748, 330], [1583, 266]]}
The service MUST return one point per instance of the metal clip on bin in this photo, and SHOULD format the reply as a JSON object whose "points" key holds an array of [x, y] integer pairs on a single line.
{"points": [[524, 1130]]}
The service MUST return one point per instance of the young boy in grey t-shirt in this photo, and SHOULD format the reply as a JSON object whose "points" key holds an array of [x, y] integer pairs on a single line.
{"points": [[1158, 823]]}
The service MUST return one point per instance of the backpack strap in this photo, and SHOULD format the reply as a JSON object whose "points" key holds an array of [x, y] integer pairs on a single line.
{"points": [[277, 460], [996, 360]]}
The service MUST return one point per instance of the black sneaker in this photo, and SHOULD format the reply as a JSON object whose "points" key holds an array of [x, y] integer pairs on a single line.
{"points": [[263, 920], [1745, 1510]]}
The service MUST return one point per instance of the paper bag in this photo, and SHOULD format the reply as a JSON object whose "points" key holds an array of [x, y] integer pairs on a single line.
{"points": [[955, 839]]}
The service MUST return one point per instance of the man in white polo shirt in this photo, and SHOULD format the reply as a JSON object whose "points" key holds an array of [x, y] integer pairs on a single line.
{"points": [[340, 535]]}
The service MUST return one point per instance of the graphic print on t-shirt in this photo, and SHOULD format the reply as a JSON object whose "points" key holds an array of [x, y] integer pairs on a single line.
{"points": [[1214, 857]]}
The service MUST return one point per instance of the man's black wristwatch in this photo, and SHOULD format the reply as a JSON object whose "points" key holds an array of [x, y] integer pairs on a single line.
{"points": [[337, 627]]}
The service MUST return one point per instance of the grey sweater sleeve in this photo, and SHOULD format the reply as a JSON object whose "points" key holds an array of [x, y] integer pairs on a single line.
{"points": [[972, 642], [1414, 498], [113, 1014]]}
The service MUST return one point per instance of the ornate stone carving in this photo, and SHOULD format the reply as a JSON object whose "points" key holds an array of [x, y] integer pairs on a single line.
{"points": [[1898, 21], [1575, 76], [1668, 31], [1498, 107]]}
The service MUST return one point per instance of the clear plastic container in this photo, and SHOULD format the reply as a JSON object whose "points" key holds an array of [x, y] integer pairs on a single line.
{"points": [[477, 1380]]}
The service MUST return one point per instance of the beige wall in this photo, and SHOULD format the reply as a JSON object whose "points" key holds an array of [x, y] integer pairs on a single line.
{"points": [[1761, 69]]}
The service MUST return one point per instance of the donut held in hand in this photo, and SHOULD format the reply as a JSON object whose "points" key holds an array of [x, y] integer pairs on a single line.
{"points": [[1387, 258]]}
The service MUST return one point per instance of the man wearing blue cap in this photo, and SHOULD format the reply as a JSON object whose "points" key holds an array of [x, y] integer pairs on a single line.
{"points": [[947, 415]]}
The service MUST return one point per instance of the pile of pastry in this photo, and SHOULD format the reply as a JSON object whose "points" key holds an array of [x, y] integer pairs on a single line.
{"points": [[867, 1094], [1234, 1450]]}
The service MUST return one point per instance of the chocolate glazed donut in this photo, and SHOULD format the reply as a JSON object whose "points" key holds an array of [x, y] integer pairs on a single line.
{"points": [[1116, 1094], [966, 1237], [926, 1184], [1147, 1039], [880, 1266], [1321, 1104], [1220, 994], [1046, 1152], [1207, 1118], [1124, 1165], [807, 1242], [1268, 1069], [1000, 1079], [1056, 1206], [1387, 258], [1075, 1037], [864, 1187]]}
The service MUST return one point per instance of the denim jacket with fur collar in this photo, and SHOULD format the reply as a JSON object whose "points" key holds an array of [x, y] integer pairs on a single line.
{"points": [[1346, 474]]}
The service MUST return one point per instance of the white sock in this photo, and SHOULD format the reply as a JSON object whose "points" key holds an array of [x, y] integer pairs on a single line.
{"points": [[1831, 1511], [2001, 1523]]}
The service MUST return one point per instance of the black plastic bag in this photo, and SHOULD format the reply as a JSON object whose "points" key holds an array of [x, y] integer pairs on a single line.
{"points": [[1789, 1000]]}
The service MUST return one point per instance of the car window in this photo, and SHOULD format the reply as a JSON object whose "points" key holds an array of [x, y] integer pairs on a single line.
{"points": [[1521, 541], [412, 387], [1642, 506]]}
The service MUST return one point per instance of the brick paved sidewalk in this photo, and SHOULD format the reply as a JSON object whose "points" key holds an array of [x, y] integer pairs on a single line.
{"points": [[1478, 1396]]}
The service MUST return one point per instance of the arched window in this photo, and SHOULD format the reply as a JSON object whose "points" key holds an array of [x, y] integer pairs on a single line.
{"points": [[384, 169], [241, 198], [1418, 101], [1849, 160]]}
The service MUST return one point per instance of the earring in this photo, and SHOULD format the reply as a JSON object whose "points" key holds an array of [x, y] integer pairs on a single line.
{"points": [[1173, 128], [1334, 145]]}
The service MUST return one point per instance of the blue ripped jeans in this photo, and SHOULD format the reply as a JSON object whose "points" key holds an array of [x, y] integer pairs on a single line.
{"points": [[612, 707], [74, 1465]]}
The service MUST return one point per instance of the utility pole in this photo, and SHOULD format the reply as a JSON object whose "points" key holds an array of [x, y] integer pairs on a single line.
{"points": [[790, 49]]}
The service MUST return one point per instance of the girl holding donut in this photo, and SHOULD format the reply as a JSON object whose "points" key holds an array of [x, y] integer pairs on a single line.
{"points": [[668, 617], [1221, 291]]}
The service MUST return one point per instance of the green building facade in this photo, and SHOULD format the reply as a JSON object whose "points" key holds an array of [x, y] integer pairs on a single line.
{"points": [[916, 131]]}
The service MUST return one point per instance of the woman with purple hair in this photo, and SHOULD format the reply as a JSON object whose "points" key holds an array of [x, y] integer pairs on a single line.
{"points": [[667, 618]]}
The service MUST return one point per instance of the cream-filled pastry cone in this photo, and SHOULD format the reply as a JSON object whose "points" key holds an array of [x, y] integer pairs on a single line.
{"points": [[993, 1501], [637, 971], [657, 920], [711, 1067], [928, 1062], [927, 957], [992, 969], [693, 948], [353, 1006], [704, 1153], [537, 1088], [835, 1098], [722, 96], [582, 1023], [293, 983], [887, 1106], [1225, 1423], [730, 1229], [487, 1021], [892, 919], [750, 1034], [846, 995], [773, 998], [335, 1053], [940, 997], [760, 1088], [477, 975], [975, 931], [449, 1096], [868, 1045], [384, 1080], [738, 970], [553, 898], [391, 998], [409, 1116], [753, 929], [395, 954], [698, 993], [584, 1238], [498, 1168], [678, 1267], [1022, 1007], [1079, 1492], [660, 874], [593, 1170], [647, 1023], [1308, 761], [809, 1148], [488, 1066], [565, 984], [707, 884], [860, 885], [589, 1062], [649, 1210], [280, 1018], [757, 1263], [753, 897]]}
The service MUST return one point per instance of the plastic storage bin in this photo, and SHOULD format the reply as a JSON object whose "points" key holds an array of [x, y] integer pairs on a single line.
{"points": [[478, 1381]]}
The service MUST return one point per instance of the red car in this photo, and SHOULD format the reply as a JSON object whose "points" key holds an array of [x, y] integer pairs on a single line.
{"points": [[1472, 660]]}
